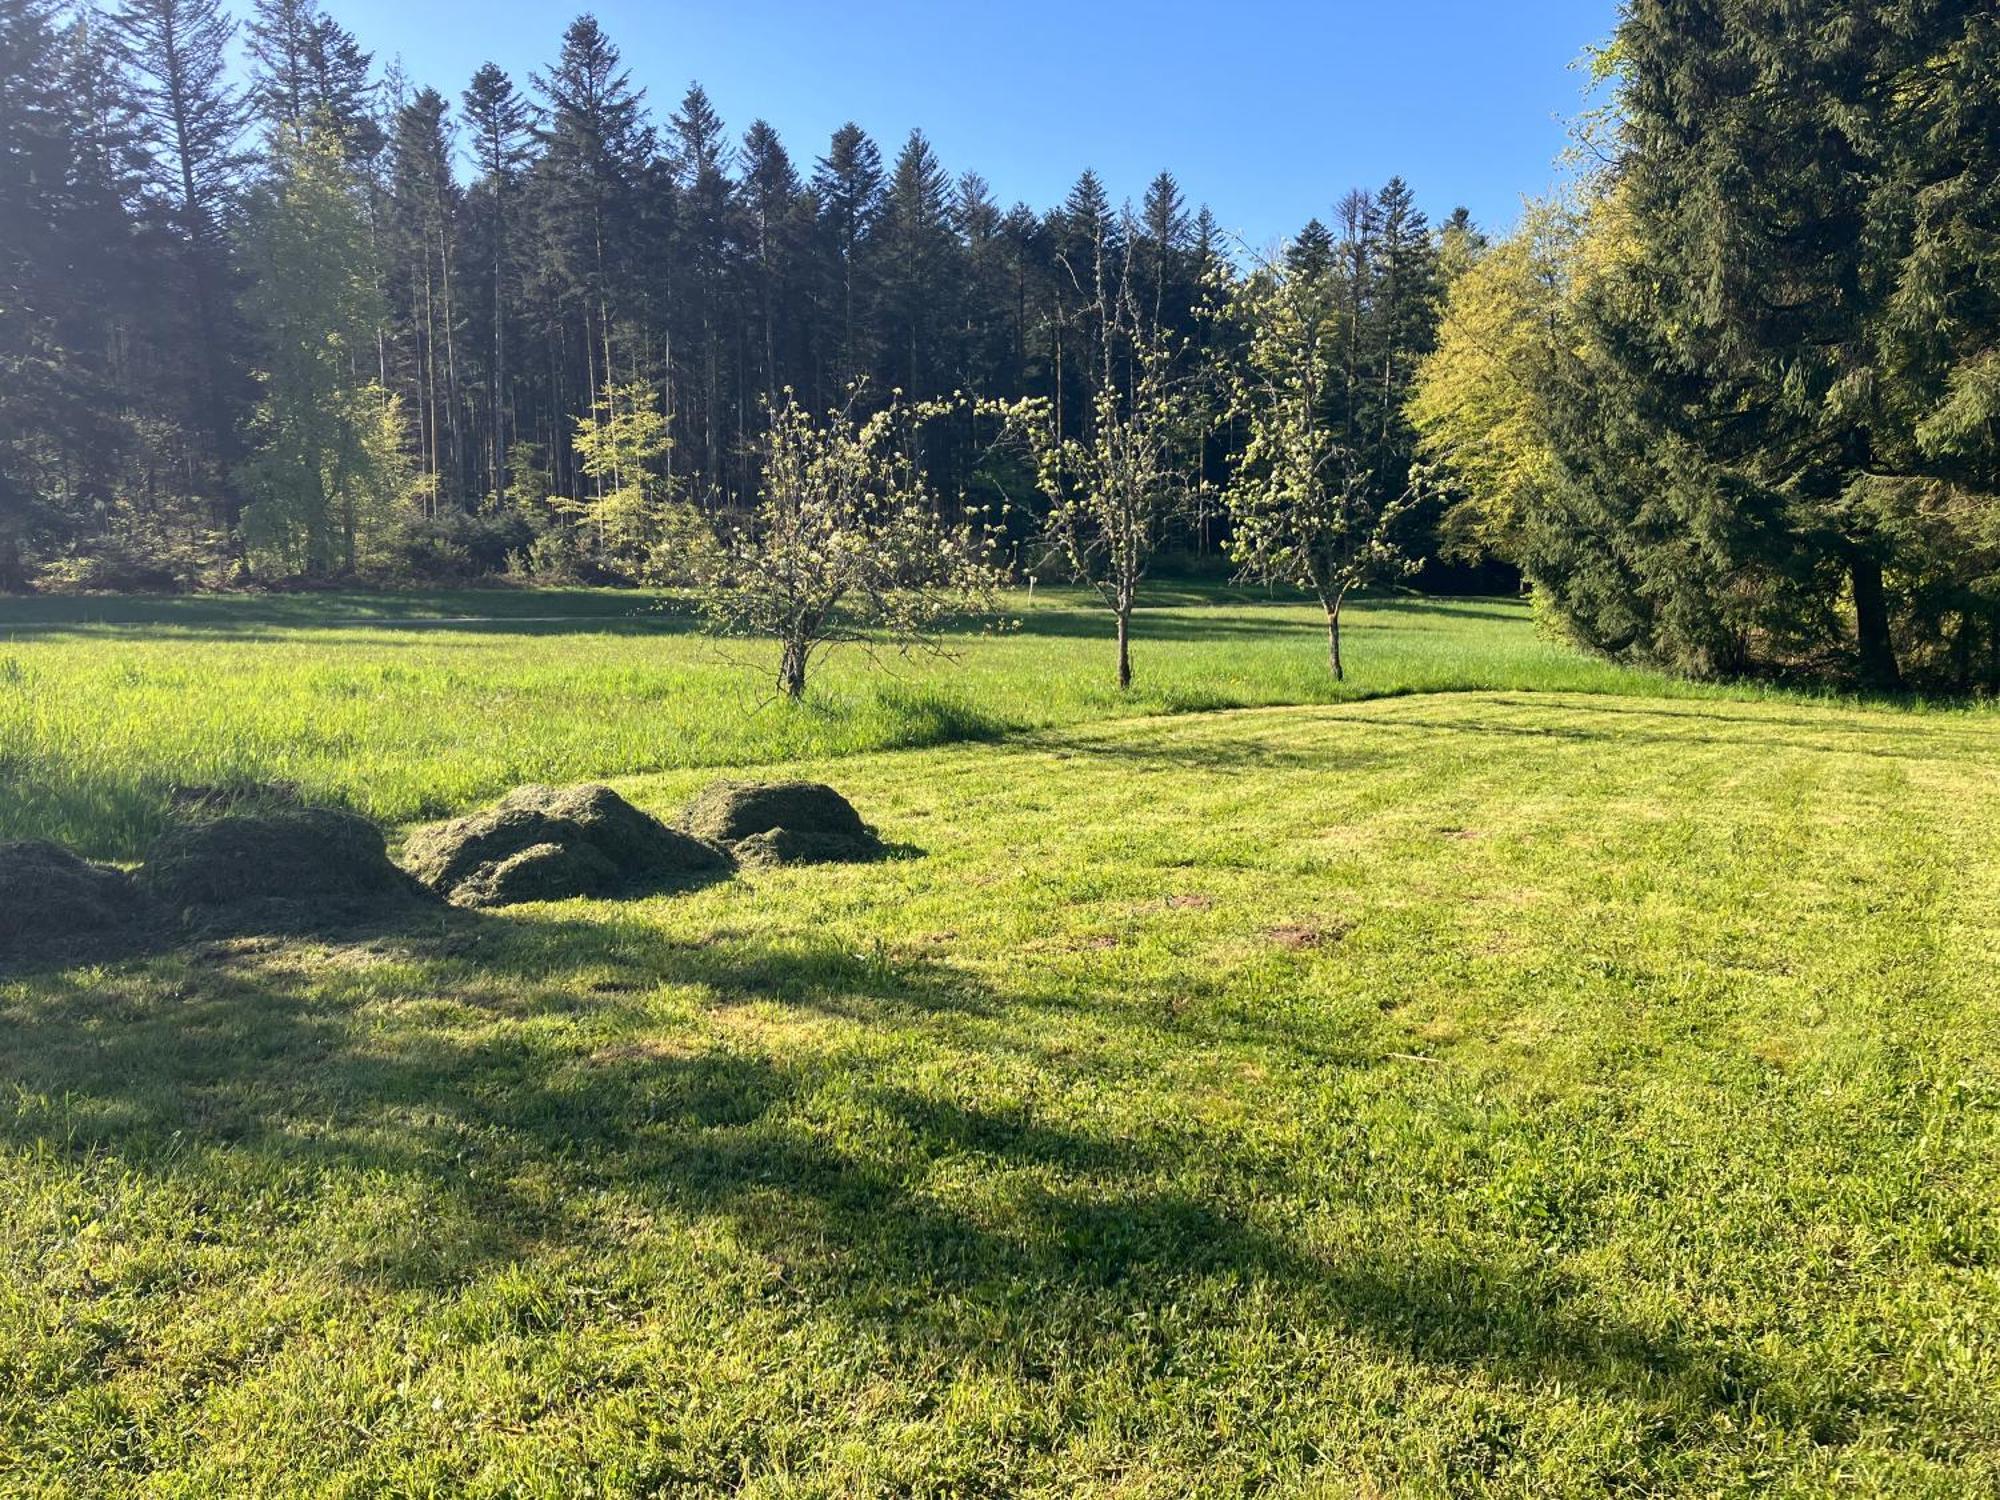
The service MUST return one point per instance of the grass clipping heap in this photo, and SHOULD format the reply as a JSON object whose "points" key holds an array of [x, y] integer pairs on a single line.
{"points": [[287, 866], [543, 843], [781, 823], [52, 900]]}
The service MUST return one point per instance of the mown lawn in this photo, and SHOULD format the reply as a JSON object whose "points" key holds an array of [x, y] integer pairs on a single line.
{"points": [[407, 707], [1497, 1092]]}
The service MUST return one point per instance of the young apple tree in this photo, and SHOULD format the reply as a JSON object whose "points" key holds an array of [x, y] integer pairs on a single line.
{"points": [[1302, 511], [1113, 489], [845, 544]]}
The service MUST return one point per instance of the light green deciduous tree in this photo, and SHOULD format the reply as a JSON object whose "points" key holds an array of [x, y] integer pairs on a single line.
{"points": [[327, 471], [629, 511], [1303, 510]]}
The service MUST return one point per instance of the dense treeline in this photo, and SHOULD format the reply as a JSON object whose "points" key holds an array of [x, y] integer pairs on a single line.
{"points": [[1732, 405], [333, 323], [1735, 407]]}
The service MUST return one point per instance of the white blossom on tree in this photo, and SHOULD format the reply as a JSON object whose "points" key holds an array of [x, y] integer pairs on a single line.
{"points": [[846, 544]]}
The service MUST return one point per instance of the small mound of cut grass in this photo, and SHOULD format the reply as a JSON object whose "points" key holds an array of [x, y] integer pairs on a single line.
{"points": [[782, 822], [288, 866], [51, 900], [546, 843]]}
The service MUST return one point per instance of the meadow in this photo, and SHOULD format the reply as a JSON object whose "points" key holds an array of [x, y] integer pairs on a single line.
{"points": [[1503, 1075], [409, 707]]}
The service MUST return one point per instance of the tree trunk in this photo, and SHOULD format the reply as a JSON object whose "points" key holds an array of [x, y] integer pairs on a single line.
{"points": [[792, 671], [1124, 613], [1871, 625], [1333, 641], [497, 386], [13, 575], [453, 406]]}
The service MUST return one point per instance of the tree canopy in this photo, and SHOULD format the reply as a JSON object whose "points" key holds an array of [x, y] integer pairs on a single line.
{"points": [[1738, 410]]}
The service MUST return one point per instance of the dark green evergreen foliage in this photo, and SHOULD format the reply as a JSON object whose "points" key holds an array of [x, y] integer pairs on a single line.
{"points": [[1161, 265], [281, 44], [919, 270], [1311, 253], [990, 290], [847, 187], [308, 70], [774, 240], [1781, 441], [701, 297], [68, 266], [424, 291], [586, 189], [342, 94], [497, 124], [190, 121]]}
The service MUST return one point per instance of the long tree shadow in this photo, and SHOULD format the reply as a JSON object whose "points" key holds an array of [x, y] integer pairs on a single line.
{"points": [[1266, 620], [314, 609], [1743, 732], [1821, 719], [1180, 752], [390, 633], [250, 1063]]}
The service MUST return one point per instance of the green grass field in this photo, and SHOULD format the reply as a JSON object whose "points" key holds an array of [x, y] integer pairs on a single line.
{"points": [[1569, 1084], [407, 708]]}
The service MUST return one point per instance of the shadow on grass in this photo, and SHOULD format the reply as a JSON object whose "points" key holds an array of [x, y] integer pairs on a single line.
{"points": [[113, 810], [432, 1056], [1166, 614], [320, 610], [1817, 715], [1807, 729], [1180, 753], [381, 629], [1253, 618]]}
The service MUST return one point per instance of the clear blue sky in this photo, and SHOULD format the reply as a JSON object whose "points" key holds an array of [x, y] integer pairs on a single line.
{"points": [[1268, 110]]}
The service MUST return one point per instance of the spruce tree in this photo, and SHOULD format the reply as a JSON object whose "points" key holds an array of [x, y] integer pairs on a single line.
{"points": [[1163, 232], [1809, 194], [281, 45], [847, 185], [703, 228], [497, 124], [1310, 252], [776, 227], [587, 186], [66, 179], [191, 121], [422, 283], [920, 272]]}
